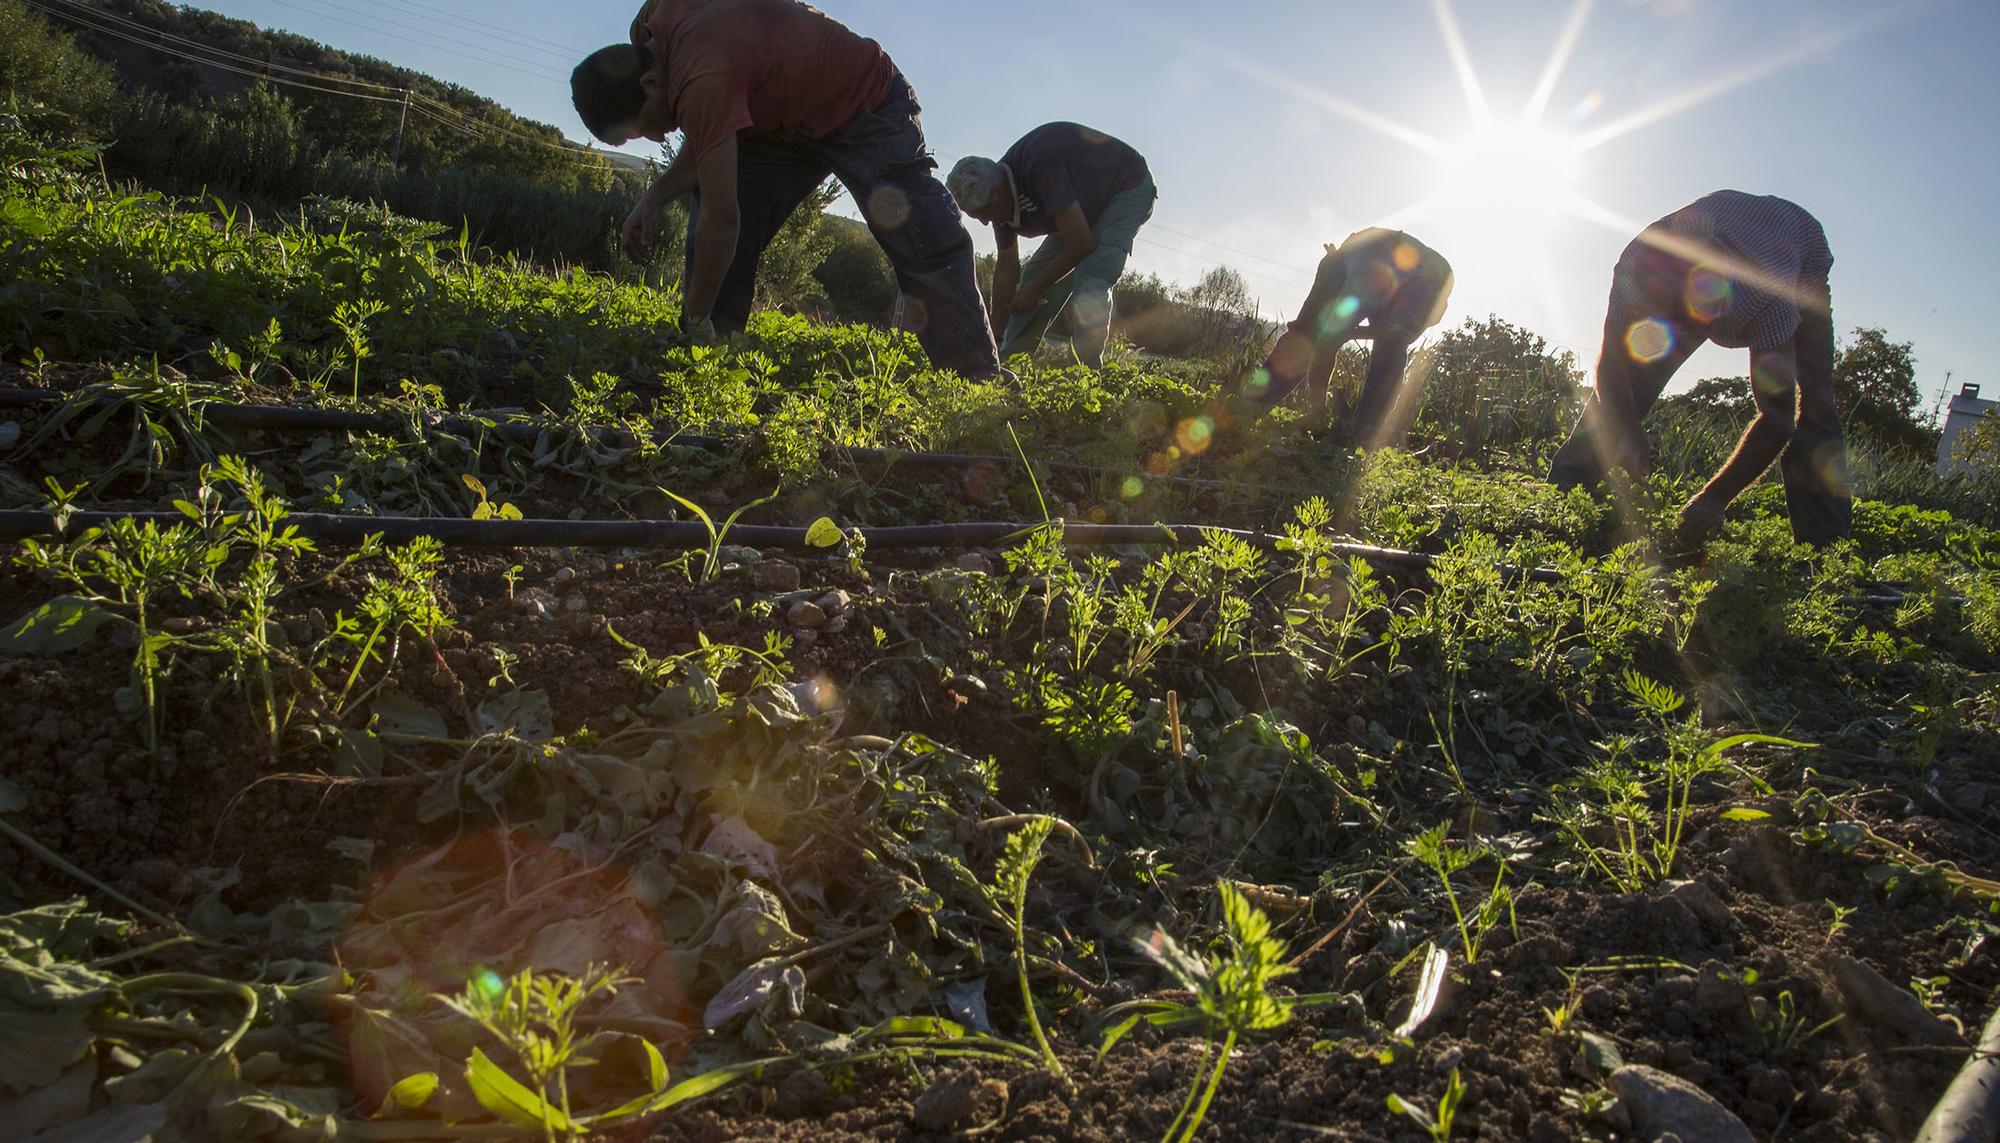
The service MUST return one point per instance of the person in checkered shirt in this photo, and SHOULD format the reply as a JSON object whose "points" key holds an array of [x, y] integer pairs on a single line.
{"points": [[1744, 271]]}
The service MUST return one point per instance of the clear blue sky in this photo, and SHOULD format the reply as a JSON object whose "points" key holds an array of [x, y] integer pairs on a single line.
{"points": [[1275, 127]]}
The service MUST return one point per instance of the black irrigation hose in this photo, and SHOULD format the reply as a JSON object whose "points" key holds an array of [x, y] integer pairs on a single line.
{"points": [[690, 535], [283, 418], [1969, 1112]]}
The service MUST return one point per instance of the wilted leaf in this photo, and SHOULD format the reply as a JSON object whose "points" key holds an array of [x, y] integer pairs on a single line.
{"points": [[61, 625], [1744, 814], [398, 715], [37, 1047], [524, 713], [1429, 985], [65, 1100], [145, 1123], [754, 989], [1600, 1053]]}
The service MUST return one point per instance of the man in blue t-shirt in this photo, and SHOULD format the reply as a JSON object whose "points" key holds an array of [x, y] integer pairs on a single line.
{"points": [[1086, 195]]}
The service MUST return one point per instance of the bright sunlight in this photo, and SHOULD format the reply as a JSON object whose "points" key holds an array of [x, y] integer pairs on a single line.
{"points": [[1507, 177]]}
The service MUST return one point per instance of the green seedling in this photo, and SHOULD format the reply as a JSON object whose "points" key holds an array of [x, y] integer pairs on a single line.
{"points": [[1017, 864], [1444, 859], [712, 562], [1437, 1124]]}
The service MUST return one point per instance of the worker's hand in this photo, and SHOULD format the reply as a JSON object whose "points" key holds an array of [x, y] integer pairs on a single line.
{"points": [[1701, 518], [636, 235], [698, 330]]}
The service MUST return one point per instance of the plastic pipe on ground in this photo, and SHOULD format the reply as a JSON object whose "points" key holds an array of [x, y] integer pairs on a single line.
{"points": [[284, 418], [1970, 1109]]}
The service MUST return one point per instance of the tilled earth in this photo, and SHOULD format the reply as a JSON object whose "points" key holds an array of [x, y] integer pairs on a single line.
{"points": [[1725, 984]]}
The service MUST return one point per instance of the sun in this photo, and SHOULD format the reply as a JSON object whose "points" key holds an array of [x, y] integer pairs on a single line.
{"points": [[1507, 176]]}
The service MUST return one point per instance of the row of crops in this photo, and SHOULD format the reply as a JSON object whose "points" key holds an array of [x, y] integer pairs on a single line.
{"points": [[321, 833]]}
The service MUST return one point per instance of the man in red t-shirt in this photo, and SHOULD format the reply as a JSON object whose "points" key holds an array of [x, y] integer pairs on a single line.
{"points": [[772, 96]]}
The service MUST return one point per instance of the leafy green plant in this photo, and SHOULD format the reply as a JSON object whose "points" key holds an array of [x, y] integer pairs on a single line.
{"points": [[1232, 998], [1444, 859], [1616, 795], [1437, 1124], [1017, 864], [712, 562]]}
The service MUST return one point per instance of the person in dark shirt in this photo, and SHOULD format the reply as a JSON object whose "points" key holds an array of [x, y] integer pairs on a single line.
{"points": [[772, 97], [1743, 271], [1386, 279], [1085, 194]]}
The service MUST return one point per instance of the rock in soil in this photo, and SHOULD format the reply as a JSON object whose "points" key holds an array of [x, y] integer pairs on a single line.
{"points": [[959, 1101], [974, 562], [775, 575], [806, 616], [1666, 1107], [835, 602], [800, 1094], [1876, 1000], [1703, 903]]}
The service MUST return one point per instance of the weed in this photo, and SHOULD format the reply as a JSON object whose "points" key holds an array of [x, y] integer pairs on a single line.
{"points": [[1437, 1124], [712, 562], [1017, 865], [1444, 859]]}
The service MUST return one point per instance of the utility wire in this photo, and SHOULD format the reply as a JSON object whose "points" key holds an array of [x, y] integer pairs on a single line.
{"points": [[475, 25], [1285, 266], [505, 63], [254, 68], [105, 15], [168, 50]]}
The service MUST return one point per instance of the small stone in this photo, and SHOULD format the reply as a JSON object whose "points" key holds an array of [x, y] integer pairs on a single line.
{"points": [[1702, 902], [155, 874], [974, 562], [562, 576], [575, 603], [837, 624], [178, 625], [738, 554], [320, 623], [803, 640], [275, 634], [801, 1094], [806, 616], [834, 602], [1667, 1107], [10, 433], [299, 631], [1877, 1000], [775, 575], [956, 1102]]}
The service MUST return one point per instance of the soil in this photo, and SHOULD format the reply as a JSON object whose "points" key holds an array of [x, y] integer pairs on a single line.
{"points": [[1667, 982]]}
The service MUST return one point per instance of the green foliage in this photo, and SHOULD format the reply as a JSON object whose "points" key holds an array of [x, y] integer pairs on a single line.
{"points": [[1017, 864], [1436, 1124], [41, 64]]}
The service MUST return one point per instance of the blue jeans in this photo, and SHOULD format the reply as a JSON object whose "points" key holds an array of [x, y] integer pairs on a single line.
{"points": [[882, 160], [1086, 290]]}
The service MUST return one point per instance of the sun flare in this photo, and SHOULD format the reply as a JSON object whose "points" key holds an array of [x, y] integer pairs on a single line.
{"points": [[1507, 176]]}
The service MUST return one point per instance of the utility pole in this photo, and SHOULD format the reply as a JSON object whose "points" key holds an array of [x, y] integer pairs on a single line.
{"points": [[396, 154]]}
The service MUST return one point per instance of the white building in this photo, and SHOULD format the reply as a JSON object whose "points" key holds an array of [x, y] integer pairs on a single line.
{"points": [[1965, 410]]}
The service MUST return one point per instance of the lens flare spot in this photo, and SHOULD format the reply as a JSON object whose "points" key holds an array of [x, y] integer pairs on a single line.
{"points": [[1159, 464], [888, 208], [1587, 106], [1259, 383], [1708, 294], [1648, 340], [1406, 257], [1133, 487], [489, 984], [1345, 309], [1194, 435]]}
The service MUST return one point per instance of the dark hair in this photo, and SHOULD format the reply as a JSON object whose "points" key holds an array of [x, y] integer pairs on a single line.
{"points": [[606, 91]]}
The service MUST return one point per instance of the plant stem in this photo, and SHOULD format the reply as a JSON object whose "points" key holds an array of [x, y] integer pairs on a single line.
{"points": [[1214, 1082]]}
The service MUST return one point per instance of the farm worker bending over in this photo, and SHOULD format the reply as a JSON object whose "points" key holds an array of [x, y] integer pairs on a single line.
{"points": [[1389, 280], [1089, 194], [772, 96], [1745, 271]]}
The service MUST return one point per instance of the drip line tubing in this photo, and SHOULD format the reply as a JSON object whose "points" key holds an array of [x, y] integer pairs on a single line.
{"points": [[285, 418], [691, 535]]}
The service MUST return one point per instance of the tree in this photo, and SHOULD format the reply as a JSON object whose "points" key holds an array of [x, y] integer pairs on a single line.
{"points": [[1875, 389], [39, 64], [1495, 383], [785, 275], [1223, 309]]}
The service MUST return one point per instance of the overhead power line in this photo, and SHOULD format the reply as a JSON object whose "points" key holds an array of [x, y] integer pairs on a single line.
{"points": [[472, 24], [222, 59], [1289, 268]]}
